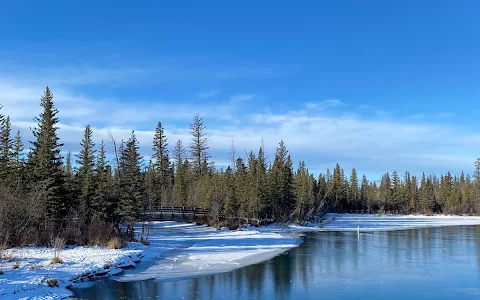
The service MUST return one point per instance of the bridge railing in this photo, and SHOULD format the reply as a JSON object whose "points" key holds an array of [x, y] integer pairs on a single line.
{"points": [[180, 210]]}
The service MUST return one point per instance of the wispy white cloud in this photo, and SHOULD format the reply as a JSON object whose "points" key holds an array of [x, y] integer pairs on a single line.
{"points": [[208, 94], [241, 98], [315, 132], [329, 103]]}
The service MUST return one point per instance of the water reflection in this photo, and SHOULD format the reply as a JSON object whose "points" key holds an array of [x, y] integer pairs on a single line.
{"points": [[440, 263]]}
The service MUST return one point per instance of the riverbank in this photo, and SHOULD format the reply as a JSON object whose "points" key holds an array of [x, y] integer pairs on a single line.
{"points": [[180, 250], [176, 250]]}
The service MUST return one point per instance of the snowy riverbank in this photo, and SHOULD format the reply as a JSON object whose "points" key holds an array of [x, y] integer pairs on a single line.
{"points": [[176, 250], [179, 250]]}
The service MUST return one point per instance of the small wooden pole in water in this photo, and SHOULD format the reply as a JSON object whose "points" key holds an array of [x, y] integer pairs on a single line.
{"points": [[358, 232]]}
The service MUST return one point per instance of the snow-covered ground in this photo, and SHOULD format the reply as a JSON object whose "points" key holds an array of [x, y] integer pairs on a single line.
{"points": [[176, 250], [183, 250], [27, 270]]}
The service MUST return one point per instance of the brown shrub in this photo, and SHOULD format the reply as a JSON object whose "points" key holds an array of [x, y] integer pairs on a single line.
{"points": [[116, 243], [56, 260]]}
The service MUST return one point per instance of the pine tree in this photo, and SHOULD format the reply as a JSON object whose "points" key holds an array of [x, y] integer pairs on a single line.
{"points": [[179, 154], [45, 162], [476, 177], [18, 160], [252, 195], [198, 146], [68, 165], [86, 161], [364, 194], [304, 193], [414, 195], [240, 187], [71, 187], [354, 189], [288, 204], [131, 184], [6, 151], [261, 187], [337, 188], [396, 194], [161, 165], [322, 193], [231, 202], [102, 202], [386, 193]]}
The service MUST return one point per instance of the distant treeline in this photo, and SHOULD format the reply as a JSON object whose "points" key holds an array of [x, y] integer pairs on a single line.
{"points": [[43, 194]]}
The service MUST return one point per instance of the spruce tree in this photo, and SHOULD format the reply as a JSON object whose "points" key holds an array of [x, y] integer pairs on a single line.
{"points": [[6, 151], [364, 193], [253, 201], [86, 162], [231, 202], [304, 192], [131, 184], [476, 177], [397, 194], [337, 188], [261, 187], [18, 160], [386, 193], [161, 165], [68, 165], [354, 189], [101, 200], [241, 187], [45, 162]]}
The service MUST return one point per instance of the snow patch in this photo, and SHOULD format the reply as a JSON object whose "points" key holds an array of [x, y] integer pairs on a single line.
{"points": [[371, 222], [179, 250]]}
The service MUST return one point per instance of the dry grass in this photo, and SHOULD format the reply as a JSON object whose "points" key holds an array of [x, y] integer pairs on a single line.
{"points": [[116, 243], [52, 282], [56, 260]]}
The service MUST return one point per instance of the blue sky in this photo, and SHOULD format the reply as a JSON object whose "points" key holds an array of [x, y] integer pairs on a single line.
{"points": [[375, 85]]}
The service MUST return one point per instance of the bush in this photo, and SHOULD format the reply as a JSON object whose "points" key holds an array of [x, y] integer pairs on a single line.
{"points": [[99, 232], [56, 260], [116, 243], [52, 282], [58, 244], [15, 266]]}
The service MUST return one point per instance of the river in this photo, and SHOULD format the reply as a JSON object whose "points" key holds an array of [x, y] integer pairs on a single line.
{"points": [[433, 263]]}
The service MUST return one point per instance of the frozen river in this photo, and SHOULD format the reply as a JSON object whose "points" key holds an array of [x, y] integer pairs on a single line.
{"points": [[422, 263]]}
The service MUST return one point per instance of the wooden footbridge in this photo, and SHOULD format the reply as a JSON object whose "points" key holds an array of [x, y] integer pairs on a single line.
{"points": [[190, 214], [175, 213]]}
